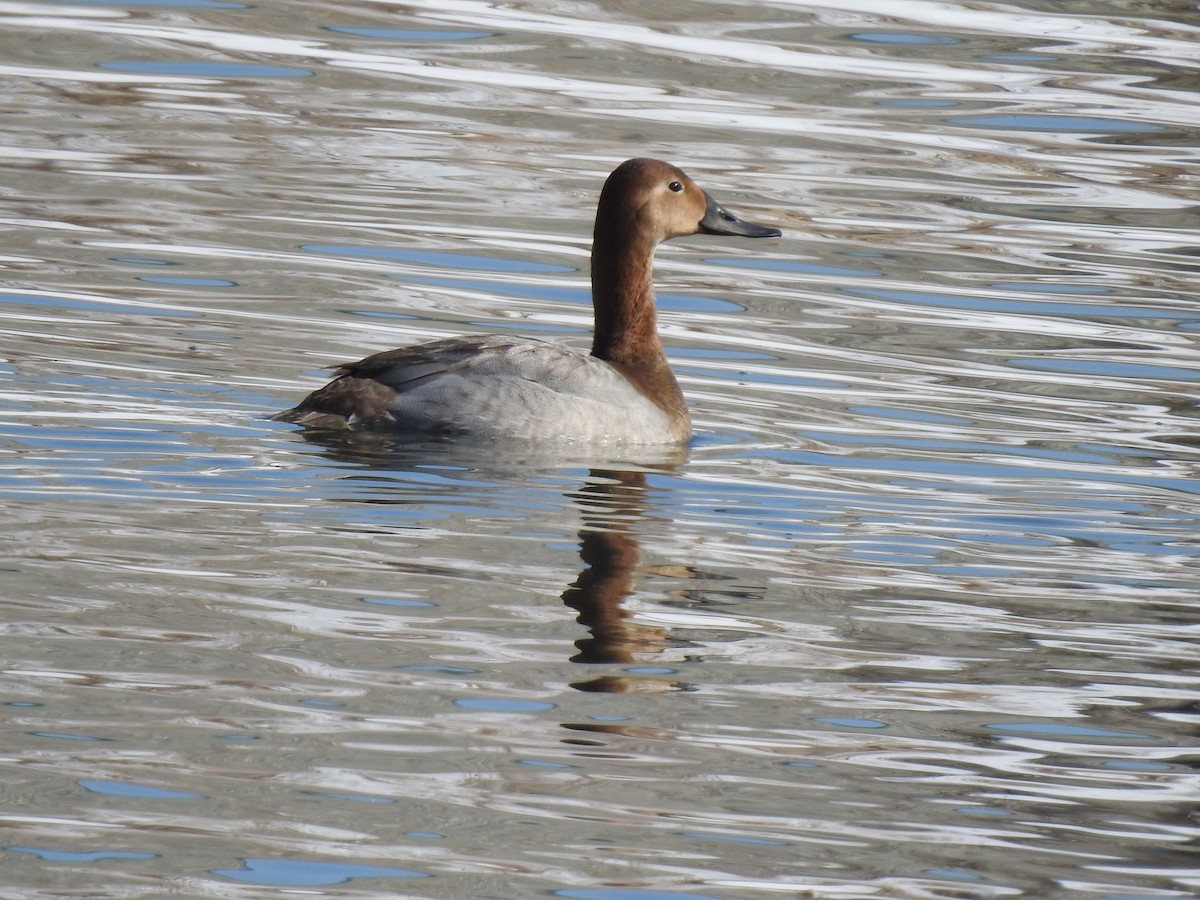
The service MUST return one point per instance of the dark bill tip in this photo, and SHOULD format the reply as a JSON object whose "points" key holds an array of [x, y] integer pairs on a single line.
{"points": [[718, 220]]}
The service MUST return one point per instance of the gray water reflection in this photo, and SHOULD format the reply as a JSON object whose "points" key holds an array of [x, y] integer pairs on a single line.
{"points": [[611, 503], [915, 618]]}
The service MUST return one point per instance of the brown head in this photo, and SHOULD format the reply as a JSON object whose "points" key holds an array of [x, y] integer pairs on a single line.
{"points": [[658, 201]]}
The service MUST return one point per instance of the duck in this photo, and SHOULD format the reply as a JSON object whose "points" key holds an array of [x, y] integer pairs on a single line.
{"points": [[495, 387]]}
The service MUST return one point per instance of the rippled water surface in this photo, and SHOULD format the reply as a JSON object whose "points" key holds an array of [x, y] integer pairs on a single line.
{"points": [[912, 618]]}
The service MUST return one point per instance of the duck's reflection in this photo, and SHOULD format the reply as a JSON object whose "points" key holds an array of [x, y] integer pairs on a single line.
{"points": [[612, 503]]}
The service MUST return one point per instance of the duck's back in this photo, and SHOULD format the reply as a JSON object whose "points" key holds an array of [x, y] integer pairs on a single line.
{"points": [[493, 386]]}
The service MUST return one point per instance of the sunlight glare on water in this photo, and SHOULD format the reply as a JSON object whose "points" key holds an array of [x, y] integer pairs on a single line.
{"points": [[913, 617]]}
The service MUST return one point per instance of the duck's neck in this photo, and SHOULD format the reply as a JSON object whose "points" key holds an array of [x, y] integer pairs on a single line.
{"points": [[626, 325]]}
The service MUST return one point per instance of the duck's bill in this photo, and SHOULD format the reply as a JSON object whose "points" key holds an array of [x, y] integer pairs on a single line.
{"points": [[718, 220]]}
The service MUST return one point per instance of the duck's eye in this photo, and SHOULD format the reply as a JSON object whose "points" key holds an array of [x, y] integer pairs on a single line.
{"points": [[675, 186]]}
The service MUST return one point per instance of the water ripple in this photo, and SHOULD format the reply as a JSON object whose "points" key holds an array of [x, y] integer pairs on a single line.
{"points": [[912, 617]]}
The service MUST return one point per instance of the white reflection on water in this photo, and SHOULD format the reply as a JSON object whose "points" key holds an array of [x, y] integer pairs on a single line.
{"points": [[912, 619]]}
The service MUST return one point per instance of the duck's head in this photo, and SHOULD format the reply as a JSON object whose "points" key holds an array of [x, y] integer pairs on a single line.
{"points": [[655, 196]]}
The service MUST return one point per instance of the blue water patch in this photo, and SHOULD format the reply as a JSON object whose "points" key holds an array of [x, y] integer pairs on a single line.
{"points": [[443, 670], [203, 69], [317, 701], [983, 811], [426, 835], [652, 670], [47, 301], [956, 874], [139, 791], [84, 856], [1055, 124], [1111, 369], [1060, 730], [846, 722], [904, 37], [356, 798], [1020, 57], [398, 601], [411, 34], [502, 705], [456, 261], [543, 764], [302, 873], [689, 303]]}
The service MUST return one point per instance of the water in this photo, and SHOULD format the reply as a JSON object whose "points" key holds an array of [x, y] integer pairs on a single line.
{"points": [[913, 618]]}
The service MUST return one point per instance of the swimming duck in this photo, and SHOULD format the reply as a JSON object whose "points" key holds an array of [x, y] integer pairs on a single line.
{"points": [[494, 386]]}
